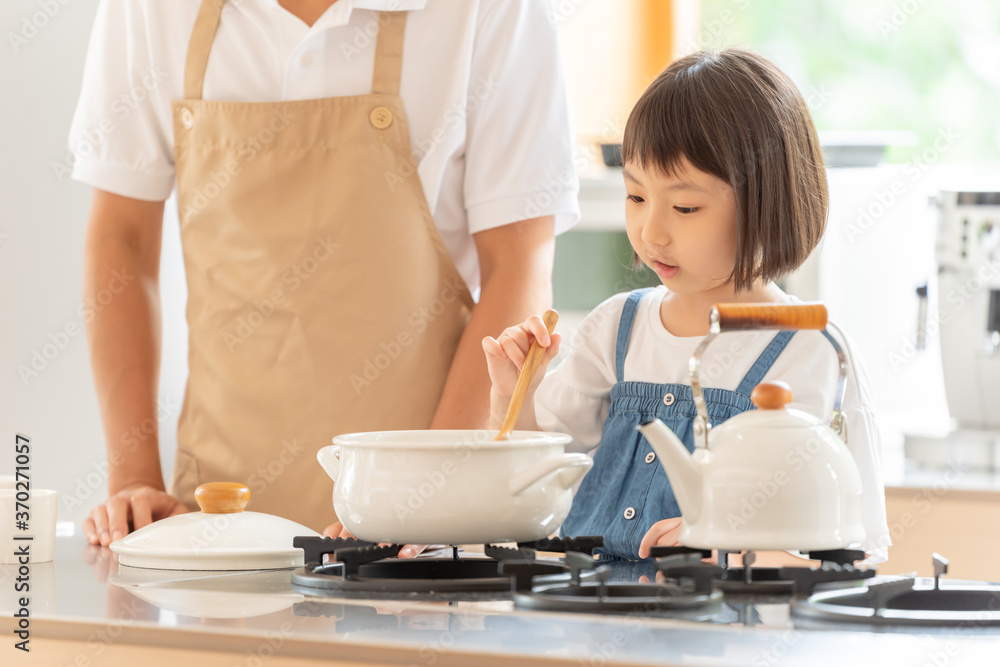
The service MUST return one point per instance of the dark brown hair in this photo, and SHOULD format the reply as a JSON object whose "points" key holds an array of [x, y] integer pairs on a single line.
{"points": [[735, 115]]}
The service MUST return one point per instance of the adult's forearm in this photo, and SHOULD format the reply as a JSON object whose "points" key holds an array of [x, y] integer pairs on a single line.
{"points": [[505, 300], [512, 290], [121, 294]]}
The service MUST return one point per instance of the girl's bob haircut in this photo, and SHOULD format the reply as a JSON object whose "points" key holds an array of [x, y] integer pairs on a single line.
{"points": [[735, 115]]}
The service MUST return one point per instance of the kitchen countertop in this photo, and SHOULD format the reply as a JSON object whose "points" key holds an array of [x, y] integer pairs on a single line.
{"points": [[89, 608]]}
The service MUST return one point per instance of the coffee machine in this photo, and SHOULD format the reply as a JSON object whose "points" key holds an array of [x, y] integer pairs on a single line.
{"points": [[967, 326]]}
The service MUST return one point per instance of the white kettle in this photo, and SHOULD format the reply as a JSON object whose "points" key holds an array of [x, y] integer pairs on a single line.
{"points": [[771, 478]]}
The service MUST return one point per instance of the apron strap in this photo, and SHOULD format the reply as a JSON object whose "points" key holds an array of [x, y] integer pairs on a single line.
{"points": [[200, 46], [764, 362], [388, 68], [625, 328]]}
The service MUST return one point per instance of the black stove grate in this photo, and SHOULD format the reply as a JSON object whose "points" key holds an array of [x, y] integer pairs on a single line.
{"points": [[363, 569], [837, 566], [587, 588]]}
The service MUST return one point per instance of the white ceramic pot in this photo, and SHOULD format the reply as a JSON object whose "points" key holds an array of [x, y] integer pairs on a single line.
{"points": [[452, 487]]}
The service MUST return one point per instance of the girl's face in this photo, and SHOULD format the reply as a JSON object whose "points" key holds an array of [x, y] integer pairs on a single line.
{"points": [[682, 225]]}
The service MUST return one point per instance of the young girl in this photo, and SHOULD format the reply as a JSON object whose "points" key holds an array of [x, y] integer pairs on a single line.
{"points": [[726, 192]]}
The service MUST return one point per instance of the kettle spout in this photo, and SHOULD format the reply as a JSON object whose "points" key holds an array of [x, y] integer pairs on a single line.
{"points": [[684, 474], [329, 458]]}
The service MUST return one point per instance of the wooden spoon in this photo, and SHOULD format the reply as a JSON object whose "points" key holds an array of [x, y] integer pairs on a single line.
{"points": [[531, 361]]}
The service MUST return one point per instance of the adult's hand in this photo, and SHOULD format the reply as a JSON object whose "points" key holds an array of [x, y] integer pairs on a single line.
{"points": [[128, 510], [337, 530]]}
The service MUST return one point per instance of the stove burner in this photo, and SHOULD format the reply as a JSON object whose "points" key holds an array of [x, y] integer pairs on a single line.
{"points": [[799, 581], [586, 588], [902, 602], [364, 569]]}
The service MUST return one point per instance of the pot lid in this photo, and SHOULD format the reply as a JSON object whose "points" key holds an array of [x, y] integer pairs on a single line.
{"points": [[220, 537]]}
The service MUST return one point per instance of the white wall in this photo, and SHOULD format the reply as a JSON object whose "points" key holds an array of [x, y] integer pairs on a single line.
{"points": [[40, 256], [598, 51], [42, 218]]}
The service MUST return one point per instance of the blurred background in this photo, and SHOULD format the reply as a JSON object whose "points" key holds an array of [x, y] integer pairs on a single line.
{"points": [[904, 93]]}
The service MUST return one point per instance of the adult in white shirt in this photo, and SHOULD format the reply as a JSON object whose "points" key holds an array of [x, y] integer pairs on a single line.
{"points": [[349, 173]]}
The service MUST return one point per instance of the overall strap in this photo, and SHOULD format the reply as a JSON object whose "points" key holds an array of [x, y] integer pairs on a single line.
{"points": [[200, 46], [625, 328], [764, 362], [388, 68]]}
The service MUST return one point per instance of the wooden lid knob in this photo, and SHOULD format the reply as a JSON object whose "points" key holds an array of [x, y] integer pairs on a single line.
{"points": [[771, 395], [222, 497]]}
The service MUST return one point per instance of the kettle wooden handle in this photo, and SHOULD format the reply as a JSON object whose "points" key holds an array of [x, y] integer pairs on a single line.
{"points": [[222, 497], [741, 316]]}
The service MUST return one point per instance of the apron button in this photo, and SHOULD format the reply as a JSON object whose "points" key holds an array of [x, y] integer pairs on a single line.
{"points": [[187, 118], [668, 399], [629, 512], [650, 457], [380, 118]]}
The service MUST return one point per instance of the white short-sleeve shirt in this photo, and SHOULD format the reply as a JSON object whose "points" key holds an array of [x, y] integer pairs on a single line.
{"points": [[482, 85]]}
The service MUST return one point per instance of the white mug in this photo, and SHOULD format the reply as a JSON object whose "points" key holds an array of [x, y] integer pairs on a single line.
{"points": [[6, 482], [41, 525]]}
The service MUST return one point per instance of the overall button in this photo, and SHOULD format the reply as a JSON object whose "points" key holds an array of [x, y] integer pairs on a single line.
{"points": [[650, 457], [187, 118], [630, 512], [306, 60], [668, 399], [380, 117]]}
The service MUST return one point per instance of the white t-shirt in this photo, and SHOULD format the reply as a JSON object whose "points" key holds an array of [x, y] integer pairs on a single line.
{"points": [[574, 397], [482, 85]]}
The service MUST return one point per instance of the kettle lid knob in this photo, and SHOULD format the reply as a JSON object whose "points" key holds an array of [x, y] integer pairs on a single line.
{"points": [[771, 395]]}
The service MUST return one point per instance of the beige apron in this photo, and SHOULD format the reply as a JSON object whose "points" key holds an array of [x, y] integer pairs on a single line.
{"points": [[321, 298]]}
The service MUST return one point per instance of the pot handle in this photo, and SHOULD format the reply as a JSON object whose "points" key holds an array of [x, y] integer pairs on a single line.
{"points": [[579, 463], [329, 458]]}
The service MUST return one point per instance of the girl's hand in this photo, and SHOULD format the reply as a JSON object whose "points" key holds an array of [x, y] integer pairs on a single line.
{"points": [[505, 356], [660, 534]]}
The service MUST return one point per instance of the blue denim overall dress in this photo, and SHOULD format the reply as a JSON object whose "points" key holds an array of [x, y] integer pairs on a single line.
{"points": [[627, 491]]}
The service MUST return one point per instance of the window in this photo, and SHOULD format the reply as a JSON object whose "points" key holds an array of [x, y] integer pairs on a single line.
{"points": [[926, 66]]}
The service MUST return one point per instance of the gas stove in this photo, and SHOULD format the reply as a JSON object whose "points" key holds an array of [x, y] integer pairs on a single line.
{"points": [[684, 579], [563, 576], [259, 613]]}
